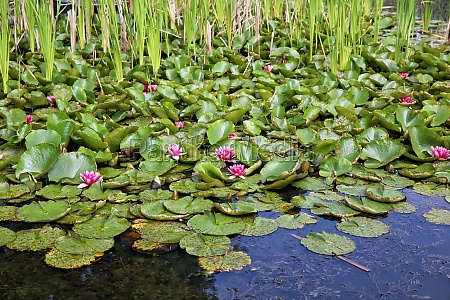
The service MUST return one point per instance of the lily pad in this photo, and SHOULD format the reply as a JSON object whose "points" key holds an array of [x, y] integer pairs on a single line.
{"points": [[205, 245], [162, 231], [423, 171], [404, 207], [156, 211], [35, 239], [384, 194], [363, 227], [43, 211], [235, 209], [335, 209], [37, 160], [102, 227], [438, 216], [381, 152], [76, 245], [8, 213], [234, 260], [149, 247], [367, 206], [328, 243], [62, 260], [260, 226], [216, 224], [431, 189], [6, 236], [188, 205], [295, 221]]}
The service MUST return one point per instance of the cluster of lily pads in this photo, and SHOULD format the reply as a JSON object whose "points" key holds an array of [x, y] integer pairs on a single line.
{"points": [[190, 158]]}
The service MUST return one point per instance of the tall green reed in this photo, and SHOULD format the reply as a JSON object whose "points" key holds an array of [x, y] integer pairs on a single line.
{"points": [[4, 42], [140, 24], [190, 15], [229, 13], [81, 18], [314, 11], [30, 16], [427, 13], [406, 15], [377, 8], [47, 34], [155, 12]]}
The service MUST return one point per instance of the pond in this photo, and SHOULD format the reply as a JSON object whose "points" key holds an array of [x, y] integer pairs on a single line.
{"points": [[412, 261]]}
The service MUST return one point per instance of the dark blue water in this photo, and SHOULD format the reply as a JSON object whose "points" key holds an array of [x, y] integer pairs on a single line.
{"points": [[411, 262]]}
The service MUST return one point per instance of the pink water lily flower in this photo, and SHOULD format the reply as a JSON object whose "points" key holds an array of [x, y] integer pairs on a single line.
{"points": [[89, 178], [284, 60], [440, 152], [232, 135], [175, 151], [406, 100], [29, 119], [237, 170], [225, 154], [268, 68], [179, 124], [1, 156], [404, 75], [153, 88], [51, 98]]}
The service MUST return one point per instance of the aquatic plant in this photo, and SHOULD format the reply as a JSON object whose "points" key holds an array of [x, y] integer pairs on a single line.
{"points": [[89, 178], [440, 153], [237, 170], [226, 154], [175, 151], [29, 119]]}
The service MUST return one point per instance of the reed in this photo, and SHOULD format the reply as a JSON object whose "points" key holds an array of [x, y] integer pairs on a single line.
{"points": [[30, 19], [46, 32], [155, 13], [377, 8], [406, 12], [4, 42], [140, 27], [426, 12]]}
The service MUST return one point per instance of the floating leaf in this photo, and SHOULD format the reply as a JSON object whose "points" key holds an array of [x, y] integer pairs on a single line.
{"points": [[335, 209], [205, 245], [156, 211], [335, 166], [431, 189], [235, 209], [43, 211], [380, 153], [216, 224], [438, 216], [37, 160], [61, 260], [188, 205], [219, 130], [384, 194], [234, 260], [404, 207], [328, 243], [295, 221], [76, 245], [363, 227], [162, 231], [6, 236], [260, 227], [102, 227], [367, 206], [35, 239]]}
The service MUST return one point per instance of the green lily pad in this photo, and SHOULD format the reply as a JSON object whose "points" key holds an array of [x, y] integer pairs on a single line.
{"points": [[367, 206], [185, 186], [397, 181], [423, 171], [76, 245], [335, 209], [260, 226], [363, 227], [35, 239], [295, 221], [41, 136], [6, 236], [69, 166], [156, 210], [61, 260], [154, 195], [234, 260], [276, 168], [328, 243], [431, 189], [311, 184], [57, 191], [422, 139], [384, 194], [404, 207], [188, 205], [43, 211], [216, 224], [219, 130], [205, 245], [438, 216], [235, 209], [8, 213], [335, 166], [306, 202], [381, 152], [11, 191], [162, 231], [149, 247], [102, 227], [37, 160]]}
